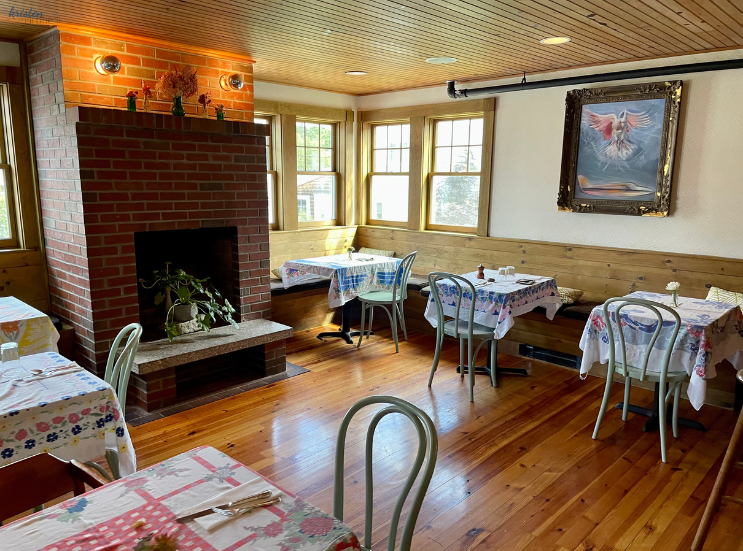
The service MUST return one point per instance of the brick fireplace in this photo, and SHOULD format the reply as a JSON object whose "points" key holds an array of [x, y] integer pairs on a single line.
{"points": [[142, 175]]}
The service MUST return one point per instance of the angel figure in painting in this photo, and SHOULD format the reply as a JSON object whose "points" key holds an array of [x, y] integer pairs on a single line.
{"points": [[617, 130]]}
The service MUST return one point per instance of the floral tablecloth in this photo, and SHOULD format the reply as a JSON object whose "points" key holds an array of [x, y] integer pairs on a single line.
{"points": [[350, 278], [32, 329], [115, 516], [710, 332], [73, 415], [497, 303]]}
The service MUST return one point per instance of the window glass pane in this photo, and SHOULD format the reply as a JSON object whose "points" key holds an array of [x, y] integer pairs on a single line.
{"points": [[4, 212], [326, 135], [459, 159], [389, 198], [443, 132], [406, 135], [442, 160], [270, 198], [300, 158], [380, 136], [461, 132], [315, 197], [476, 131], [405, 161], [393, 160], [312, 160], [380, 161], [326, 160], [311, 134], [454, 200], [300, 133], [475, 158], [394, 133]]}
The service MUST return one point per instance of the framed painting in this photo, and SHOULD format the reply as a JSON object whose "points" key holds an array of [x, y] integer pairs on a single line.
{"points": [[618, 149]]}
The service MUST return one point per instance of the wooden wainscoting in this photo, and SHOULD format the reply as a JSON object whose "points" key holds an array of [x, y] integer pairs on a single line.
{"points": [[601, 272], [306, 309], [23, 275]]}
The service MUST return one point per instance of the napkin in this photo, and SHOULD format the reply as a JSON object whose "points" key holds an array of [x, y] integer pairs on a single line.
{"points": [[214, 521]]}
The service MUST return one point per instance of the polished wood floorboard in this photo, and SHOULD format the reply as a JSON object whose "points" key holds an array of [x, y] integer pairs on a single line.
{"points": [[517, 470]]}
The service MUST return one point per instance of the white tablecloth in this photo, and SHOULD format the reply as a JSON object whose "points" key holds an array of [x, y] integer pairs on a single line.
{"points": [[497, 303], [74, 415], [32, 329], [350, 278], [710, 332]]}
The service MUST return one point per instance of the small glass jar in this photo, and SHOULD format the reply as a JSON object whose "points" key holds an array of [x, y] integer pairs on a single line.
{"points": [[502, 274], [511, 273]]}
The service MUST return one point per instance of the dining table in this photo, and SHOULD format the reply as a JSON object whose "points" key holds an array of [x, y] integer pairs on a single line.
{"points": [[51, 404], [32, 329], [496, 304], [350, 275], [710, 332], [120, 515]]}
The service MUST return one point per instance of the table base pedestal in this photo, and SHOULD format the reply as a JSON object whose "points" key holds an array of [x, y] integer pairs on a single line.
{"points": [[345, 332], [651, 425], [498, 370]]}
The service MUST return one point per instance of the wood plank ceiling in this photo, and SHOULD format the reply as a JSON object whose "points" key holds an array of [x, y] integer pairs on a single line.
{"points": [[312, 43]]}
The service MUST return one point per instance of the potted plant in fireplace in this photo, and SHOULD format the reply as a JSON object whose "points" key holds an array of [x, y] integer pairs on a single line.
{"points": [[192, 303]]}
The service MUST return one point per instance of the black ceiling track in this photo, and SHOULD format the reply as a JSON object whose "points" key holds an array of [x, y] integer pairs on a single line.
{"points": [[587, 79]]}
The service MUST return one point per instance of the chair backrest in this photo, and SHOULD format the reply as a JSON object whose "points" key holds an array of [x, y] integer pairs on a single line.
{"points": [[428, 446], [40, 478], [402, 274], [654, 307], [464, 289], [119, 369]]}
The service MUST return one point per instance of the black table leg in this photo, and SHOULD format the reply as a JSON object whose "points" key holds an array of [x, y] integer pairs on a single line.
{"points": [[345, 332], [498, 370], [651, 425]]}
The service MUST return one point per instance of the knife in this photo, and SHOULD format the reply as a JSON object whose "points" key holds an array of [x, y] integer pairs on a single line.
{"points": [[240, 502]]}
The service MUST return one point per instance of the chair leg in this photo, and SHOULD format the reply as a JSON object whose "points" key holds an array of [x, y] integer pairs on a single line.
{"points": [[627, 387], [493, 362], [436, 354], [402, 321], [394, 327], [662, 423], [363, 316], [604, 403], [371, 320], [471, 369], [462, 365], [675, 419]]}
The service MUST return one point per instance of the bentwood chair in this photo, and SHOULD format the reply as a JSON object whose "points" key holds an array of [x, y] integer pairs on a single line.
{"points": [[427, 450], [118, 370], [466, 330], [629, 372], [29, 483], [731, 460], [393, 298]]}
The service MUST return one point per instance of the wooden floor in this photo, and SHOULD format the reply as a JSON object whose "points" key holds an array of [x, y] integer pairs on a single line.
{"points": [[517, 470]]}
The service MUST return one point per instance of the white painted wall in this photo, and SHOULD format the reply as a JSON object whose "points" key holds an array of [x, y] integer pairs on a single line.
{"points": [[10, 54], [707, 206]]}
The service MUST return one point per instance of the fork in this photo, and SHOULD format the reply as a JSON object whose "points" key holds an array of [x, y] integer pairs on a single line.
{"points": [[237, 511]]}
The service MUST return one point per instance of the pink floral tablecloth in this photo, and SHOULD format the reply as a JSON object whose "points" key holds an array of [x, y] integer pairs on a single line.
{"points": [[32, 329], [115, 516], [73, 415]]}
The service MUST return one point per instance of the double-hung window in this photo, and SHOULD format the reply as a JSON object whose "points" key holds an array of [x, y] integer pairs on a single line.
{"points": [[317, 173], [8, 229], [454, 182], [389, 178], [270, 169]]}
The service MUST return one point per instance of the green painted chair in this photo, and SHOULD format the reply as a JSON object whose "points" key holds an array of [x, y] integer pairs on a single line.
{"points": [[393, 298], [466, 330], [629, 372], [427, 450], [118, 370]]}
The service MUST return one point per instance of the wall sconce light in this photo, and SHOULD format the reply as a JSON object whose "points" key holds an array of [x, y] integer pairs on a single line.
{"points": [[233, 81], [107, 64]]}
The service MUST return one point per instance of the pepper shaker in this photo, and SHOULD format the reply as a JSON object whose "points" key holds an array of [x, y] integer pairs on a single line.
{"points": [[481, 272]]}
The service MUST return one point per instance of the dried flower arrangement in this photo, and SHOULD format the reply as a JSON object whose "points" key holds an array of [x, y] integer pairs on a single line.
{"points": [[177, 83], [219, 108], [132, 94], [205, 100], [157, 542], [146, 91]]}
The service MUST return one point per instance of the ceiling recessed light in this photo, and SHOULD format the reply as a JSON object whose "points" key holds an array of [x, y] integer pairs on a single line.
{"points": [[356, 73], [555, 40], [441, 60]]}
